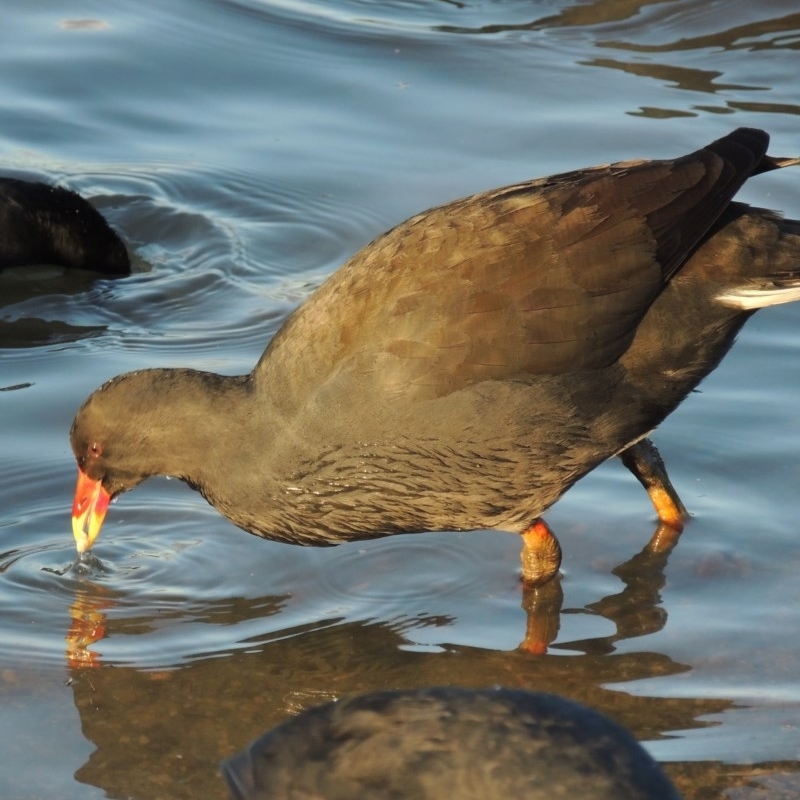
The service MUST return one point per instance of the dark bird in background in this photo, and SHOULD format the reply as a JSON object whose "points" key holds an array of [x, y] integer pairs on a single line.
{"points": [[495, 744], [41, 224], [463, 370]]}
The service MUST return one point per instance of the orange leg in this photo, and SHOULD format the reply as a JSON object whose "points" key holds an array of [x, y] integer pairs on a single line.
{"points": [[541, 553], [644, 461]]}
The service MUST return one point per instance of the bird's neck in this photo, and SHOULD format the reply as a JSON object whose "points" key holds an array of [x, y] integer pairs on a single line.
{"points": [[198, 424]]}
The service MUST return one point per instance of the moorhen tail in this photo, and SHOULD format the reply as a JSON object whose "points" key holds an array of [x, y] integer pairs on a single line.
{"points": [[41, 224], [493, 744], [464, 369]]}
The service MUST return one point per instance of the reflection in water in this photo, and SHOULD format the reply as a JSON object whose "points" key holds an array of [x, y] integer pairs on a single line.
{"points": [[636, 611], [696, 80], [313, 148], [88, 614], [32, 332], [779, 33], [26, 298], [598, 12], [542, 607], [219, 702], [631, 16]]}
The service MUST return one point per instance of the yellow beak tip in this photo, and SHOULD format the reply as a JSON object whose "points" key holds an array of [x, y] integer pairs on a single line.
{"points": [[82, 545], [83, 538]]}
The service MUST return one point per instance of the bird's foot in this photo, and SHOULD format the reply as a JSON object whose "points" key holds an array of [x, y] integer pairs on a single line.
{"points": [[541, 553]]}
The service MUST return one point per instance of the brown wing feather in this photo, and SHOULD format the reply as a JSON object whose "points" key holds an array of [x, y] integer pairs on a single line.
{"points": [[544, 277]]}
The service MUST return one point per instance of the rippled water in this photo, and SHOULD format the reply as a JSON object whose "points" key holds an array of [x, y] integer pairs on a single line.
{"points": [[244, 150]]}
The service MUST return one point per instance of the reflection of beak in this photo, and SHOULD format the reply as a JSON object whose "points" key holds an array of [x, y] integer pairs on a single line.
{"points": [[88, 614], [88, 510]]}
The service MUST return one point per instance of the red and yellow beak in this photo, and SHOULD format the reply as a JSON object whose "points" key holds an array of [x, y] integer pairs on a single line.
{"points": [[88, 511]]}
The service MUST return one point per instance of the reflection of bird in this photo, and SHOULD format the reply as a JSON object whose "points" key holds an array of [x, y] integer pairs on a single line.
{"points": [[41, 224], [446, 742], [464, 369]]}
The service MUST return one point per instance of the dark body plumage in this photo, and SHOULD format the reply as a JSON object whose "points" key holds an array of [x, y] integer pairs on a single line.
{"points": [[494, 744], [41, 224]]}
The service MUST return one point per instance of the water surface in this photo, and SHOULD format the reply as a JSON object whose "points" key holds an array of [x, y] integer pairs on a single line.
{"points": [[245, 149]]}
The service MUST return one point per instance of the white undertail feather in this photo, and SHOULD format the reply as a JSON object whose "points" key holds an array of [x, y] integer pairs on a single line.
{"points": [[782, 161], [750, 298]]}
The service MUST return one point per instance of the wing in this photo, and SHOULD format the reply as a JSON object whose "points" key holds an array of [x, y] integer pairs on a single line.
{"points": [[540, 278]]}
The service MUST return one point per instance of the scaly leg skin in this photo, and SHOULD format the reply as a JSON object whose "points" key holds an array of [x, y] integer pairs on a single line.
{"points": [[644, 461], [541, 553]]}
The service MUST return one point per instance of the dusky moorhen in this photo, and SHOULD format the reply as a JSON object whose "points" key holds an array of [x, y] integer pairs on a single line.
{"points": [[463, 370], [42, 224], [491, 744]]}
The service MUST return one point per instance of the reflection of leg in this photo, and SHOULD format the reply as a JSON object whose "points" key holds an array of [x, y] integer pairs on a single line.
{"points": [[637, 610], [542, 606], [644, 461], [541, 553], [664, 539]]}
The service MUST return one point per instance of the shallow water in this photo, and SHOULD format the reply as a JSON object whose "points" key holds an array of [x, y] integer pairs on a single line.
{"points": [[244, 150]]}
